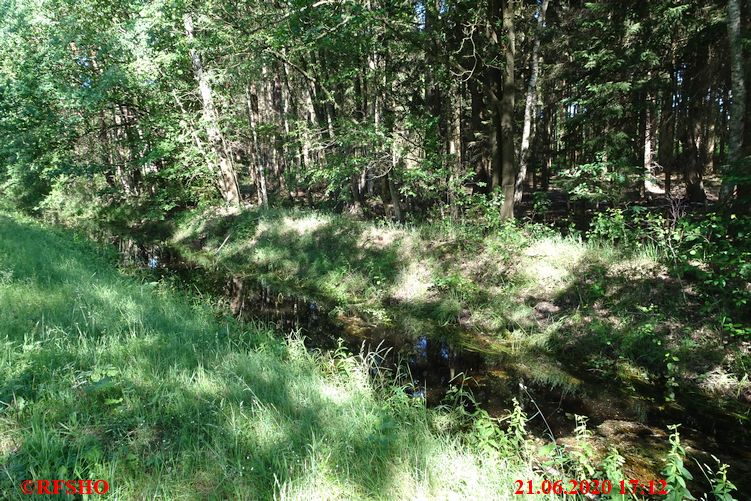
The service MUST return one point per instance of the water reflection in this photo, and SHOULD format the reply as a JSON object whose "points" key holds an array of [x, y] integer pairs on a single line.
{"points": [[429, 364]]}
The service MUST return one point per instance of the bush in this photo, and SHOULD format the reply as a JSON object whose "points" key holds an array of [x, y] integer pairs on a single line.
{"points": [[598, 181], [713, 250]]}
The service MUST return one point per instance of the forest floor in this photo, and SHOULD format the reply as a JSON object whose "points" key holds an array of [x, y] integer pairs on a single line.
{"points": [[107, 376]]}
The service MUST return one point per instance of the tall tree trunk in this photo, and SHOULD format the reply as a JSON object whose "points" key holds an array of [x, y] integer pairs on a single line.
{"points": [[710, 133], [738, 102], [724, 125], [268, 149], [277, 111], [312, 127], [454, 111], [395, 201], [693, 174], [292, 108], [257, 159], [649, 148], [478, 151], [666, 135], [492, 91], [508, 179], [549, 148], [227, 177], [105, 154], [529, 104]]}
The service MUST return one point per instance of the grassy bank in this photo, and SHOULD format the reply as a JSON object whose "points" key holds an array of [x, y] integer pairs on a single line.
{"points": [[558, 308], [106, 376]]}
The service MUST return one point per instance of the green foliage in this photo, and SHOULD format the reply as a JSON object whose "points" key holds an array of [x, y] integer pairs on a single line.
{"points": [[598, 181], [671, 378], [722, 488], [103, 129], [716, 249], [484, 210], [633, 227], [675, 472], [716, 253], [612, 469], [517, 426], [541, 204], [484, 433], [486, 436], [583, 454], [712, 250], [610, 225]]}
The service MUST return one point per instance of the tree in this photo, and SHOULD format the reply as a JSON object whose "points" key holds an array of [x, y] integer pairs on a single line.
{"points": [[383, 107], [508, 167], [738, 103], [228, 185], [529, 103]]}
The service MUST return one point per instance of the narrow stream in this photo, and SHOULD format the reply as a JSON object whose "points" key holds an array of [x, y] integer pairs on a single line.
{"points": [[634, 422]]}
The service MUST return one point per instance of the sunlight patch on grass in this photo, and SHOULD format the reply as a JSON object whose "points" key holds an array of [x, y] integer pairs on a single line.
{"points": [[413, 283], [9, 442], [379, 237], [720, 382], [630, 373], [302, 225], [548, 263], [636, 266]]}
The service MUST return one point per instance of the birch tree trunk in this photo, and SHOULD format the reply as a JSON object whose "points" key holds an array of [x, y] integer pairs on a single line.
{"points": [[227, 177], [256, 156], [454, 146], [649, 148], [529, 104]]}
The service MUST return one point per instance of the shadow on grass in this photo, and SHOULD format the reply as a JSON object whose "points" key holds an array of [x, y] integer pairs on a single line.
{"points": [[643, 333], [342, 264], [108, 378]]}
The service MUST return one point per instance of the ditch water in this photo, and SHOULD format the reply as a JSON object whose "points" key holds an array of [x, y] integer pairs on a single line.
{"points": [[635, 422]]}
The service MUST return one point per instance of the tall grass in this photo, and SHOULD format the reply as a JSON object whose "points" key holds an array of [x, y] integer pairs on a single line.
{"points": [[104, 376]]}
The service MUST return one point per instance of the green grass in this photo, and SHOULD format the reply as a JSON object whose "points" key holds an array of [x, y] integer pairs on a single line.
{"points": [[106, 376], [616, 306], [164, 395]]}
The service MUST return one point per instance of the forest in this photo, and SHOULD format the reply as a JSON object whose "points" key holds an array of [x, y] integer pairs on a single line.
{"points": [[376, 249]]}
